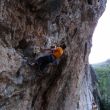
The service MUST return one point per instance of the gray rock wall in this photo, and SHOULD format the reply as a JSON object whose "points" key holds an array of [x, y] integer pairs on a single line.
{"points": [[25, 26], [89, 91]]}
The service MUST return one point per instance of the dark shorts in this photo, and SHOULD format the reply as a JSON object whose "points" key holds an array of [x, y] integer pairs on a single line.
{"points": [[44, 61]]}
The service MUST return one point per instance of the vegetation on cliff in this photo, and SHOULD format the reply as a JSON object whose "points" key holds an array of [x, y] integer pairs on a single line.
{"points": [[103, 73]]}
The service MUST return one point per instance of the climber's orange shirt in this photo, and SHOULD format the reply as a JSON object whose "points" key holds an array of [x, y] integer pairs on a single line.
{"points": [[57, 53]]}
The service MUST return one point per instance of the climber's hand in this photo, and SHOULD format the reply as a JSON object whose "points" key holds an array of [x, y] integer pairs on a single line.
{"points": [[44, 49]]}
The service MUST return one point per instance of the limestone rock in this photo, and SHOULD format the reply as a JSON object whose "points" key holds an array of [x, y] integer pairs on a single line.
{"points": [[25, 26]]}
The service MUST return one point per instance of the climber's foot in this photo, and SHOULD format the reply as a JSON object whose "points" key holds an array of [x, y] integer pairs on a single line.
{"points": [[32, 64]]}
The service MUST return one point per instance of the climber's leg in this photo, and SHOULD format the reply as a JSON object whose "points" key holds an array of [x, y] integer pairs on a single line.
{"points": [[44, 61]]}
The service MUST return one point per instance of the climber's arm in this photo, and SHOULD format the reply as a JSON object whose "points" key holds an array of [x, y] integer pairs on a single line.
{"points": [[45, 49], [51, 49]]}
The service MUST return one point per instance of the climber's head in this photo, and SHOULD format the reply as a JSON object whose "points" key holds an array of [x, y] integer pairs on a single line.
{"points": [[63, 46]]}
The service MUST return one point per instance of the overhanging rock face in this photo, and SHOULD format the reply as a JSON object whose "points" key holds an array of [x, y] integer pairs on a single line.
{"points": [[27, 25]]}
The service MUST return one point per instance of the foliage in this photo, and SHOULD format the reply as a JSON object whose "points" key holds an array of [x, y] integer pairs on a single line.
{"points": [[103, 74]]}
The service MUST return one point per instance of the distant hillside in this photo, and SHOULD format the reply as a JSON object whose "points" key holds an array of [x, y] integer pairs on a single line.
{"points": [[102, 64], [103, 74]]}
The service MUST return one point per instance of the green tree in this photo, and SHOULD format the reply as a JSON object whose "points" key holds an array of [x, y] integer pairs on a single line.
{"points": [[103, 74]]}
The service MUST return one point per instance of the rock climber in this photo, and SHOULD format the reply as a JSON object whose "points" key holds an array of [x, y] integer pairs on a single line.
{"points": [[54, 54]]}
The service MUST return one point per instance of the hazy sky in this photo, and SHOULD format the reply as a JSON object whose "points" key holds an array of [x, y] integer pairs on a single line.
{"points": [[101, 39]]}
